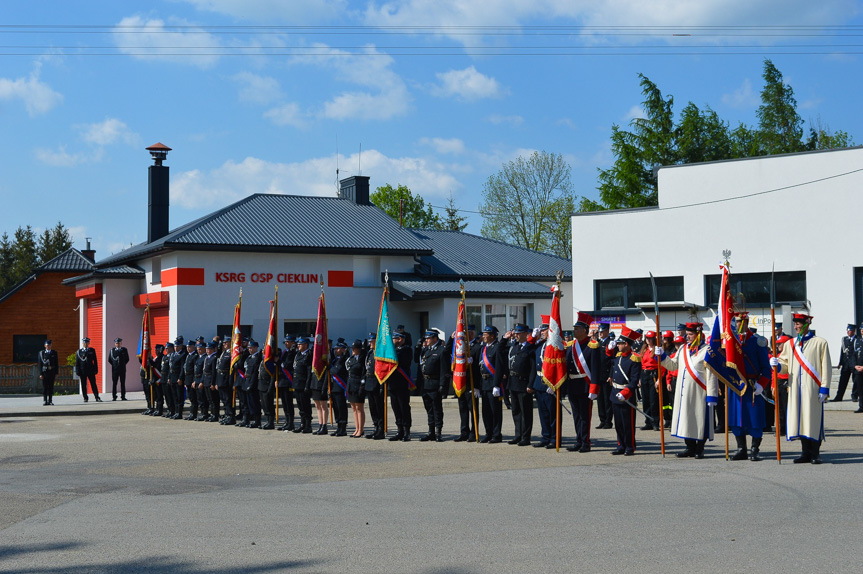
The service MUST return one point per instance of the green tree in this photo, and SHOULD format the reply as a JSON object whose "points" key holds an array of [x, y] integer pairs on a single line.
{"points": [[24, 258], [453, 221], [404, 206], [822, 137], [6, 260], [528, 203], [53, 242], [702, 136], [780, 127]]}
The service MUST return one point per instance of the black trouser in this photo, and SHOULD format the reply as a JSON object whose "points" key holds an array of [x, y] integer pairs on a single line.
{"points": [[522, 415], [400, 399], [118, 376], [304, 405], [582, 408], [719, 411], [782, 402], [253, 404], [145, 384], [192, 393], [603, 403], [466, 405], [376, 405], [650, 397], [203, 393], [433, 403], [268, 405], [158, 396], [168, 391], [242, 407], [547, 415], [179, 396], [92, 378], [624, 424], [286, 395], [47, 387], [492, 414], [227, 398], [340, 405], [214, 401], [694, 445], [844, 376]]}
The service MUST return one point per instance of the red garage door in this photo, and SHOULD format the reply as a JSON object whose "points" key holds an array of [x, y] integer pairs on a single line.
{"points": [[94, 332], [160, 334]]}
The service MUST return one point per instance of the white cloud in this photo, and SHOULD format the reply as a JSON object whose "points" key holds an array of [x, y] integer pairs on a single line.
{"points": [[108, 132], [37, 96], [444, 146], [234, 180], [61, 158], [742, 97], [467, 84], [278, 10], [567, 122], [635, 112], [286, 115], [513, 120], [151, 40], [257, 89]]}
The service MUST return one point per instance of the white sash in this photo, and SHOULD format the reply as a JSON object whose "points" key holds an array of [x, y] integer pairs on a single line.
{"points": [[807, 366], [692, 372], [579, 360]]}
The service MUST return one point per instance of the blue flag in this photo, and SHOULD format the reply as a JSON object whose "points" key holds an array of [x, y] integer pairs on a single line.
{"points": [[386, 361]]}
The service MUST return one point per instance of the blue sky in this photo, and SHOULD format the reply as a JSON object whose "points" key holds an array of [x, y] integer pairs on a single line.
{"points": [[258, 95]]}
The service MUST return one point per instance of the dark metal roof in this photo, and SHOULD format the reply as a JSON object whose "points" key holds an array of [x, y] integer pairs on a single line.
{"points": [[459, 254], [116, 272], [287, 223], [69, 260], [420, 288]]}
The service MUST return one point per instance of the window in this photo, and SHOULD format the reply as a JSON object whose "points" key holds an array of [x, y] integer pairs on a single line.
{"points": [[300, 328], [25, 348], [625, 293], [755, 287], [502, 316], [224, 331], [156, 278]]}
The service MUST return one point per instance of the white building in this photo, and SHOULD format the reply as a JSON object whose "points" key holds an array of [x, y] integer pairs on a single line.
{"points": [[797, 212]]}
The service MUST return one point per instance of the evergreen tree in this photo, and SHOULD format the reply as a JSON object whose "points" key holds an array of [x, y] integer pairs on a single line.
{"points": [[6, 260], [53, 242], [780, 127], [24, 258], [453, 221]]}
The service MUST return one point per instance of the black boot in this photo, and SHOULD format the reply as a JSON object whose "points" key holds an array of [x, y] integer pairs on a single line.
{"points": [[805, 455], [322, 430], [243, 421], [372, 434], [689, 452], [379, 432], [407, 436], [430, 436], [439, 437], [269, 424], [301, 427], [399, 435], [815, 451], [741, 453], [754, 452], [699, 449], [307, 426], [342, 429]]}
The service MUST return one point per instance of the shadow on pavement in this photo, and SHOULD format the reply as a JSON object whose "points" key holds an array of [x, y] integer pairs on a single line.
{"points": [[143, 564], [841, 457]]}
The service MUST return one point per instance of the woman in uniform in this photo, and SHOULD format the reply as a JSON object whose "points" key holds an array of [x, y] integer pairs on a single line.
{"points": [[356, 367]]}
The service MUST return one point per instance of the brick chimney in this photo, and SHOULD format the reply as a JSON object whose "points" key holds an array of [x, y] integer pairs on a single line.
{"points": [[355, 189]]}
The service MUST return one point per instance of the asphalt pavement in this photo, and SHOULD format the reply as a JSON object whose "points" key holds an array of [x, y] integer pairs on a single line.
{"points": [[128, 493]]}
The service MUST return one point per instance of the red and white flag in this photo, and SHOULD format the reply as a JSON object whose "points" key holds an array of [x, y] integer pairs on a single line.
{"points": [[554, 355]]}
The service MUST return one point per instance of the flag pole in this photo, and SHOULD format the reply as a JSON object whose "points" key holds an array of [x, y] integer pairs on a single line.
{"points": [[386, 294], [557, 390], [773, 371], [329, 379], [659, 367], [463, 319], [727, 254], [276, 342]]}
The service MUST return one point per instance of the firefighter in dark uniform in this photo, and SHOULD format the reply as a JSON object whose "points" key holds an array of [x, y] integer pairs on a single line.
{"points": [[175, 376], [48, 369], [239, 377], [224, 383], [493, 365], [167, 390], [846, 364], [118, 357], [467, 401], [546, 398], [144, 373], [857, 374], [189, 379], [340, 387], [286, 382], [603, 401], [374, 390], [356, 368], [302, 385], [625, 374], [208, 380], [203, 403], [584, 362], [267, 390], [156, 380], [250, 386], [522, 372], [87, 367], [398, 386], [434, 368]]}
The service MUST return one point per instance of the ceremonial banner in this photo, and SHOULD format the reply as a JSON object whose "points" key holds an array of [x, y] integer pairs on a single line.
{"points": [[272, 351], [144, 341], [733, 349], [321, 352], [460, 354], [716, 361], [554, 356], [386, 361], [236, 336]]}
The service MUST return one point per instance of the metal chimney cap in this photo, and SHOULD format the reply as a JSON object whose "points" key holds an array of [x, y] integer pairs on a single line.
{"points": [[159, 147], [158, 152]]}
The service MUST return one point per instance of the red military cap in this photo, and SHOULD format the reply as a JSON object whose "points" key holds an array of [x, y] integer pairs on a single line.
{"points": [[667, 335], [693, 327], [802, 317], [583, 320], [628, 335], [679, 339]]}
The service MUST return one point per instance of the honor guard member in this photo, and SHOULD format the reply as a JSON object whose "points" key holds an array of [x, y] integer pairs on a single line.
{"points": [[156, 380], [189, 379], [603, 401], [239, 378], [340, 387], [434, 369], [167, 388], [118, 357], [208, 380], [302, 385], [467, 400], [806, 359], [746, 412], [355, 365], [250, 386], [521, 372], [200, 390], [668, 344], [584, 360], [399, 387], [320, 389], [175, 377], [267, 392], [374, 391], [625, 374], [546, 397], [87, 367], [286, 382], [224, 383], [846, 363], [493, 365], [857, 372], [695, 393], [48, 369], [649, 394]]}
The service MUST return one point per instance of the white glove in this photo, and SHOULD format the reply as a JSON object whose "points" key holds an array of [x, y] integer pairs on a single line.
{"points": [[658, 351], [550, 391], [822, 397], [536, 333], [611, 345], [774, 362], [620, 397], [476, 393], [496, 392], [592, 396], [758, 389]]}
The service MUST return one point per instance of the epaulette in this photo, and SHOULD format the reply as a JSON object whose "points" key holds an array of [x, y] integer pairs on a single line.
{"points": [[593, 345], [568, 343], [762, 341], [635, 358], [619, 354]]}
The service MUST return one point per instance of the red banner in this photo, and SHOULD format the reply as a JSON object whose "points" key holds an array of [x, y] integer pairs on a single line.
{"points": [[554, 356], [460, 354], [236, 336], [272, 350], [321, 352], [733, 348]]}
